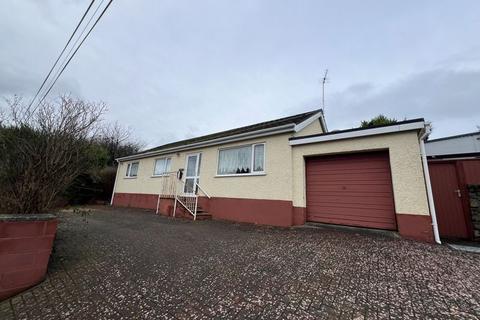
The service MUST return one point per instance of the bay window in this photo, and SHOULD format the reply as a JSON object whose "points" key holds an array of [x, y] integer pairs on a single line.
{"points": [[162, 166], [248, 159]]}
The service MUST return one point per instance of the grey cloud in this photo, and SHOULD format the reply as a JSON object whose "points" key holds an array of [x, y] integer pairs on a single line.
{"points": [[361, 89], [16, 80], [175, 69], [445, 97]]}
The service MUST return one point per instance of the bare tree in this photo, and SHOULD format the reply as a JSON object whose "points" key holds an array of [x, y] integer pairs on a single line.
{"points": [[3, 117], [118, 141], [42, 151]]}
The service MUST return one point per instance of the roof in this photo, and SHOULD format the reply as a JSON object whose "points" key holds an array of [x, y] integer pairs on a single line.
{"points": [[290, 121], [360, 129], [456, 136], [413, 124], [459, 146]]}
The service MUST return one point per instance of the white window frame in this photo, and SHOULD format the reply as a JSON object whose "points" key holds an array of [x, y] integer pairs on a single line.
{"points": [[155, 164], [252, 173], [196, 177], [129, 169]]}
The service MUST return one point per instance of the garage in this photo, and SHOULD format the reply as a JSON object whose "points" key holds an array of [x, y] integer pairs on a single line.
{"points": [[350, 189]]}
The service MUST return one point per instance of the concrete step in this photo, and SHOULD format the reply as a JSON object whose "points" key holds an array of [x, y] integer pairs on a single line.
{"points": [[201, 214]]}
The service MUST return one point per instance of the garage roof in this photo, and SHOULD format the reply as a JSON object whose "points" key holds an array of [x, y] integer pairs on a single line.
{"points": [[407, 125]]}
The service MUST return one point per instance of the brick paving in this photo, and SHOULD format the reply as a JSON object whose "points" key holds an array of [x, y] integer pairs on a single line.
{"points": [[131, 264]]}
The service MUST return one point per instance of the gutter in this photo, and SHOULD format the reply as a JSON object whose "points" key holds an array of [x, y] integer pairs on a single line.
{"points": [[238, 137], [115, 183], [433, 214], [357, 133]]}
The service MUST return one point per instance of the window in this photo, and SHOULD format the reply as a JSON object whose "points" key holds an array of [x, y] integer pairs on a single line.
{"points": [[258, 157], [248, 159], [162, 166], [132, 170]]}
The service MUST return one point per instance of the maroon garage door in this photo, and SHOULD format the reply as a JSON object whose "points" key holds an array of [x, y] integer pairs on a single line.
{"points": [[351, 189]]}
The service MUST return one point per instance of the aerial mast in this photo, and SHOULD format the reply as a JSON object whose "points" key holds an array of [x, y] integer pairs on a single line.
{"points": [[323, 89]]}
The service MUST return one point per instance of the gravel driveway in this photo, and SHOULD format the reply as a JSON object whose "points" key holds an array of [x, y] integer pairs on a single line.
{"points": [[132, 264]]}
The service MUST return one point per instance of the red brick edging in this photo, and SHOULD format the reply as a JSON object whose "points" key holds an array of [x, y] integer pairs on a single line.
{"points": [[25, 246]]}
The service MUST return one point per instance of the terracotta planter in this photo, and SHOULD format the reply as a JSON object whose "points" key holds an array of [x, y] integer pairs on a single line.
{"points": [[25, 245]]}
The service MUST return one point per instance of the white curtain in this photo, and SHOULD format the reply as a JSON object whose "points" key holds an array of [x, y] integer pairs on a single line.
{"points": [[235, 160], [258, 157], [162, 166], [191, 166], [133, 169]]}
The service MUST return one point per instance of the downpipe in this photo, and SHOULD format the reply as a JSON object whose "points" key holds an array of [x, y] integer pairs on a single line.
{"points": [[433, 214], [115, 183]]}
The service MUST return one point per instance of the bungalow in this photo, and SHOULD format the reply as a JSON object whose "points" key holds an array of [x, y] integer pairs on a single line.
{"points": [[287, 172]]}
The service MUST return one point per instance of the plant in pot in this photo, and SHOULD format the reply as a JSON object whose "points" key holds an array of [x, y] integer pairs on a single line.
{"points": [[43, 150]]}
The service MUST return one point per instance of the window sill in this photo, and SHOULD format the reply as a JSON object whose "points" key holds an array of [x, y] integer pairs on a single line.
{"points": [[241, 175], [129, 177]]}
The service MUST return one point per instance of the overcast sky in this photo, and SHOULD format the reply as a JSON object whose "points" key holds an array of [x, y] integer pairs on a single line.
{"points": [[176, 69]]}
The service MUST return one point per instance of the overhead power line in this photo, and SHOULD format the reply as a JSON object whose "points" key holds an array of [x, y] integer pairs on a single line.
{"points": [[79, 37], [73, 54], [61, 53]]}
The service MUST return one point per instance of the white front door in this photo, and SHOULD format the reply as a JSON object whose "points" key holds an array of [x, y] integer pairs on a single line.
{"points": [[192, 172]]}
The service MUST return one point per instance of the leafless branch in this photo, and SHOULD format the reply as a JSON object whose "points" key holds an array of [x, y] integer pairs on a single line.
{"points": [[41, 153]]}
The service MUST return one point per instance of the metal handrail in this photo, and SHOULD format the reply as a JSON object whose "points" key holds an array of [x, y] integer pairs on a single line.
{"points": [[170, 188], [185, 205], [204, 192], [167, 186], [166, 174]]}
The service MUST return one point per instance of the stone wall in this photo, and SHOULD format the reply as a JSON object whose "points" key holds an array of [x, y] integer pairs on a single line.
{"points": [[474, 192]]}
